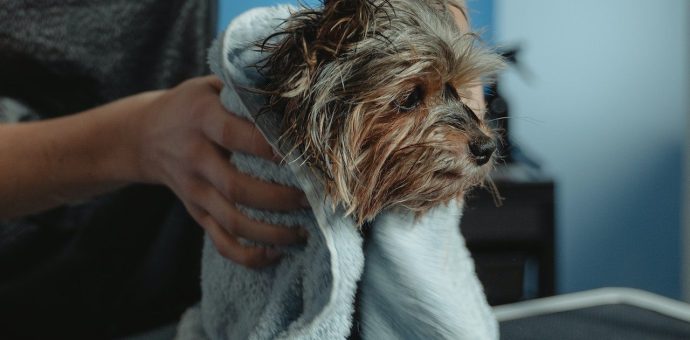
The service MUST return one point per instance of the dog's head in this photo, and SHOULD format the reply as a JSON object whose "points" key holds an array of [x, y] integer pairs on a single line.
{"points": [[373, 95]]}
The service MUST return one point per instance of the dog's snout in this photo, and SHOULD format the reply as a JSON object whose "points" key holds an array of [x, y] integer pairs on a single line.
{"points": [[482, 148]]}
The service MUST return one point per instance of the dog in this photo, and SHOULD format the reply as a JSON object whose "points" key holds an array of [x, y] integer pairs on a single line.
{"points": [[374, 97], [370, 98]]}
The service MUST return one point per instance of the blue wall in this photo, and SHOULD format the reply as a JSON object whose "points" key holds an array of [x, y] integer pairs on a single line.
{"points": [[606, 111], [482, 17], [481, 11], [229, 9]]}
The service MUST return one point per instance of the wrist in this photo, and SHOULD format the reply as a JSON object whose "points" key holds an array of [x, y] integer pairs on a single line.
{"points": [[122, 130]]}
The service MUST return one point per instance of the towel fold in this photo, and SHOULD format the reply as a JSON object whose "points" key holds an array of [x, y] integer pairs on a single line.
{"points": [[418, 281]]}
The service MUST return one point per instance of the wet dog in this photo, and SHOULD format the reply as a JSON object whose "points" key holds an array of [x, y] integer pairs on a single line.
{"points": [[373, 95]]}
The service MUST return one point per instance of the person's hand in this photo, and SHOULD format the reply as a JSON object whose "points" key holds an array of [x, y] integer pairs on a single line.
{"points": [[186, 139]]}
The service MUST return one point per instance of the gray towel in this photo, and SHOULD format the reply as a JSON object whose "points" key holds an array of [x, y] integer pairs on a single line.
{"points": [[418, 281]]}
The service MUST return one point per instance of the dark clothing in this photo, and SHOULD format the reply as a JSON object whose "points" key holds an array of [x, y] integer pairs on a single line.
{"points": [[126, 261], [64, 56]]}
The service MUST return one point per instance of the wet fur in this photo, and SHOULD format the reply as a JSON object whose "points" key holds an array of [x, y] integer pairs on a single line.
{"points": [[343, 77]]}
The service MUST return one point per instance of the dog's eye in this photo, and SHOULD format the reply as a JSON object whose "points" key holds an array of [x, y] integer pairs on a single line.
{"points": [[412, 100]]}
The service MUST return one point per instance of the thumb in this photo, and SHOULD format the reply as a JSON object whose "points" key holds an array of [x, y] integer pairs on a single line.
{"points": [[214, 82]]}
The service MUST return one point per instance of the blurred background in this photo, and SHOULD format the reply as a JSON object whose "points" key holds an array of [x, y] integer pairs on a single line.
{"points": [[604, 109], [600, 103]]}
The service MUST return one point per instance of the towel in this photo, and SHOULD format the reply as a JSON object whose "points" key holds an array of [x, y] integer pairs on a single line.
{"points": [[415, 275]]}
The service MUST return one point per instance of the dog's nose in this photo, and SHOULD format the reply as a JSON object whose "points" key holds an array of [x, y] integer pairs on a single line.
{"points": [[482, 148]]}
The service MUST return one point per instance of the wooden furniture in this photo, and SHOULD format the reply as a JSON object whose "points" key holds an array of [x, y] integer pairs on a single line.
{"points": [[513, 245]]}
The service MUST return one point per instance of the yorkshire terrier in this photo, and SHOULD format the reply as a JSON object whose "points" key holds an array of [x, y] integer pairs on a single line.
{"points": [[373, 95]]}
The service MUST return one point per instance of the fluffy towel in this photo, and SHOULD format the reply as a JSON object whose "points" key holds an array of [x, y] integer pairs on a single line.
{"points": [[418, 281]]}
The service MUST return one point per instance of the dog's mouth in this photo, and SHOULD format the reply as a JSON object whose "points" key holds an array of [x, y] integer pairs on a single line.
{"points": [[467, 174], [469, 168]]}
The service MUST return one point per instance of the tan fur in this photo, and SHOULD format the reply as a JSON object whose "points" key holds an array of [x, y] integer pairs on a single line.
{"points": [[341, 78]]}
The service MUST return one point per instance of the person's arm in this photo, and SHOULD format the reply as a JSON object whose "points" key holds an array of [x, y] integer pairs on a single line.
{"points": [[178, 137], [48, 163]]}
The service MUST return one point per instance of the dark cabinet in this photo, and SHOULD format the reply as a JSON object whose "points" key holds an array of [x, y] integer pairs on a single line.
{"points": [[513, 244]]}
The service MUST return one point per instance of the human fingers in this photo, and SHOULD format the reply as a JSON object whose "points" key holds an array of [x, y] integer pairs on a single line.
{"points": [[247, 190], [235, 134], [236, 223], [229, 247], [213, 81]]}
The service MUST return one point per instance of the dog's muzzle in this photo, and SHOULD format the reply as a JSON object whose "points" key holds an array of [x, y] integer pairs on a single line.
{"points": [[482, 147]]}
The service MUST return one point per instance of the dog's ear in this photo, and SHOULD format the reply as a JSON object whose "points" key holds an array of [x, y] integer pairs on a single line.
{"points": [[343, 23], [296, 56], [312, 37]]}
